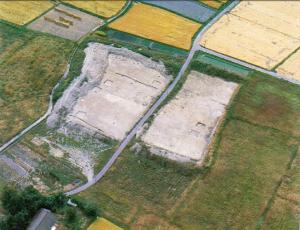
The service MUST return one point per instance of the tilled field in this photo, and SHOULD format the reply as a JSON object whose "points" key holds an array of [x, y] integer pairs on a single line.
{"points": [[183, 129], [66, 22]]}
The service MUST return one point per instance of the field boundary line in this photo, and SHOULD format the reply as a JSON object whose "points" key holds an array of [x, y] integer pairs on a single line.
{"points": [[248, 65]]}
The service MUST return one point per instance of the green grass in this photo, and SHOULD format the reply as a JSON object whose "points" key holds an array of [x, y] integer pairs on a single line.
{"points": [[284, 213], [31, 64], [137, 184], [251, 161], [272, 103]]}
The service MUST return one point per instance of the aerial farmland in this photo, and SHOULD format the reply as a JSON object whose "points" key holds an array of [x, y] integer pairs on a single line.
{"points": [[149, 114], [141, 20]]}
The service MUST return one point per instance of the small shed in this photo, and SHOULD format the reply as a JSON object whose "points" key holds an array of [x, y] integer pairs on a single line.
{"points": [[43, 220]]}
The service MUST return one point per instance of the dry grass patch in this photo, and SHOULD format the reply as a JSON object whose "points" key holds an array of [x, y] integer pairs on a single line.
{"points": [[21, 12], [103, 224], [157, 24], [259, 32], [27, 76], [103, 8]]}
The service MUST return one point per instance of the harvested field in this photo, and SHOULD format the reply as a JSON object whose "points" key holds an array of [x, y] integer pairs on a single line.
{"points": [[102, 8], [66, 22], [191, 117], [21, 12], [258, 32], [103, 224], [124, 94], [290, 67], [158, 25], [187, 8]]}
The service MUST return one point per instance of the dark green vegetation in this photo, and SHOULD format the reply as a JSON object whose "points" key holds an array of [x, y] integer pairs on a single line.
{"points": [[252, 163], [20, 206], [134, 40], [31, 64], [221, 64]]}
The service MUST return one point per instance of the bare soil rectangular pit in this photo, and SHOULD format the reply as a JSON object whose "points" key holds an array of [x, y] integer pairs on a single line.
{"points": [[66, 22], [183, 129], [127, 88]]}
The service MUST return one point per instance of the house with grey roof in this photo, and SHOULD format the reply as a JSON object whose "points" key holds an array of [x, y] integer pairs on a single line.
{"points": [[43, 220]]}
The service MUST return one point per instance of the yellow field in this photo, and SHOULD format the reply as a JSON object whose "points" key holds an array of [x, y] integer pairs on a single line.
{"points": [[259, 32], [102, 8], [103, 224], [157, 24], [21, 12], [212, 3], [290, 67]]}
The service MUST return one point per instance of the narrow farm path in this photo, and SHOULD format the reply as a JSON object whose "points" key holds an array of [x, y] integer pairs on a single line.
{"points": [[50, 106], [160, 100]]}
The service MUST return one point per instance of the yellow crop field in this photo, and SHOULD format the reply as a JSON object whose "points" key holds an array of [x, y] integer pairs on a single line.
{"points": [[102, 8], [290, 68], [212, 3], [259, 32], [21, 12], [157, 24], [103, 224]]}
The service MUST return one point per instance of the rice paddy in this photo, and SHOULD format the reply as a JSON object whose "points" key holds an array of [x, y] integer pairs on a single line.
{"points": [[256, 32], [102, 8], [158, 25], [21, 12]]}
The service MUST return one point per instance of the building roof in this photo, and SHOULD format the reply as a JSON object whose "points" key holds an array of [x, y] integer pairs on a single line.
{"points": [[43, 220]]}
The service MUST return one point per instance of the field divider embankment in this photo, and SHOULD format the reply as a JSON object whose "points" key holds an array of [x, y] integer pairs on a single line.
{"points": [[154, 107], [248, 65]]}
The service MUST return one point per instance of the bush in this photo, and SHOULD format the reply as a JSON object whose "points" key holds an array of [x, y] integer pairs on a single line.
{"points": [[21, 206]]}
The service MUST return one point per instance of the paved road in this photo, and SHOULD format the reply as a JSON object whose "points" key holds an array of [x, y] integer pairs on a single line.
{"points": [[23, 132], [132, 133]]}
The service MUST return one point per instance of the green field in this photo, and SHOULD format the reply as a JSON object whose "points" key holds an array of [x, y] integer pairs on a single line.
{"points": [[285, 213], [253, 150], [31, 64], [222, 64]]}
